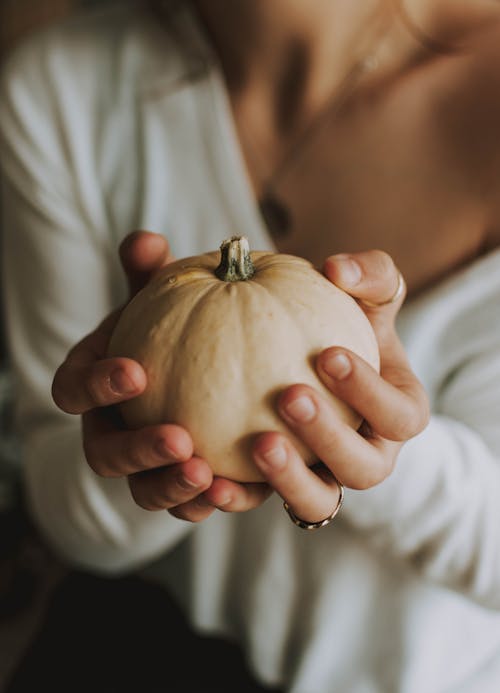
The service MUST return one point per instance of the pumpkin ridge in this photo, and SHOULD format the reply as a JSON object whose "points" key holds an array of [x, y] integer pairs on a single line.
{"points": [[217, 354], [265, 261], [166, 281], [249, 299], [191, 319]]}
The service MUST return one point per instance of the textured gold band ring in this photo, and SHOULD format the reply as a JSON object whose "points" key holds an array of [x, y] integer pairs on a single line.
{"points": [[395, 296], [322, 523]]}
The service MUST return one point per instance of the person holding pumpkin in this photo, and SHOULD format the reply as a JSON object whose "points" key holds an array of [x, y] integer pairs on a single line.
{"points": [[364, 138]]}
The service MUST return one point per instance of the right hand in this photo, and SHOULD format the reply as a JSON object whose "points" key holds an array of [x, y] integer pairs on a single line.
{"points": [[162, 472]]}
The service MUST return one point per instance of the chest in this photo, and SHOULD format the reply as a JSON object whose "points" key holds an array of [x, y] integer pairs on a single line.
{"points": [[408, 167]]}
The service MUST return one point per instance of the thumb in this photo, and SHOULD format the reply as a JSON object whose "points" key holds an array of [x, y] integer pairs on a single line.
{"points": [[142, 254], [372, 278]]}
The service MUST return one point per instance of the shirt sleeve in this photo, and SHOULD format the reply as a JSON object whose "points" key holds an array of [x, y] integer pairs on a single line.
{"points": [[440, 509], [61, 276]]}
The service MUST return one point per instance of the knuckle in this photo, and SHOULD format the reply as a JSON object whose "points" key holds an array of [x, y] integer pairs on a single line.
{"points": [[363, 480], [144, 503], [102, 463], [328, 450], [419, 424], [368, 478], [168, 491], [152, 491], [359, 484], [136, 453], [372, 469], [424, 410], [402, 428], [186, 515], [192, 512], [140, 495], [382, 261], [95, 391], [59, 393], [178, 513], [165, 497], [407, 421], [94, 457]]}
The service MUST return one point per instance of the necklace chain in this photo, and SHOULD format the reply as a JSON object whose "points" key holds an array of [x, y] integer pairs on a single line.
{"points": [[275, 213], [329, 110]]}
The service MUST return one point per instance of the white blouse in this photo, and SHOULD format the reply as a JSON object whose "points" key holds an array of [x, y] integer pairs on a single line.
{"points": [[107, 124]]}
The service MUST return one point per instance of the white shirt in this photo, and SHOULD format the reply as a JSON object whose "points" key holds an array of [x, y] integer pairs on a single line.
{"points": [[109, 124]]}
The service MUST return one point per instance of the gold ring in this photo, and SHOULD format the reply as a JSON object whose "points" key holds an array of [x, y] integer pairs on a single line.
{"points": [[322, 523], [395, 296]]}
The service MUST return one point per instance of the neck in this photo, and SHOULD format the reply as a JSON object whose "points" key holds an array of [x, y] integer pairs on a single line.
{"points": [[259, 40]]}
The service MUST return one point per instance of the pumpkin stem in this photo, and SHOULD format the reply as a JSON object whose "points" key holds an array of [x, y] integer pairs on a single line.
{"points": [[236, 264]]}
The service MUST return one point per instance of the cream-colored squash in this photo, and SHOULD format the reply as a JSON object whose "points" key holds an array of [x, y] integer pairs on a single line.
{"points": [[220, 339]]}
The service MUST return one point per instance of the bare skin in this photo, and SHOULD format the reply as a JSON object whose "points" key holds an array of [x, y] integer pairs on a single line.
{"points": [[402, 167], [410, 176]]}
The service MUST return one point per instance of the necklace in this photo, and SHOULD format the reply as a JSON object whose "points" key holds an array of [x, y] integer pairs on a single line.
{"points": [[275, 212]]}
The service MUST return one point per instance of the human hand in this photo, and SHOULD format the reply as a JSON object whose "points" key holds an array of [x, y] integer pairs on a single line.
{"points": [[162, 471], [158, 460], [393, 403]]}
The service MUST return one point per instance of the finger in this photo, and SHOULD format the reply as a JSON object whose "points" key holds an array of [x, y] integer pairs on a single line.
{"points": [[369, 276], [352, 459], [231, 496], [85, 380], [112, 452], [311, 497], [195, 510], [225, 495], [165, 488], [79, 386], [394, 403], [142, 253]]}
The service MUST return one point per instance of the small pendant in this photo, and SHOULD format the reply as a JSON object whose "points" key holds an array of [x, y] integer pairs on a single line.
{"points": [[276, 215]]}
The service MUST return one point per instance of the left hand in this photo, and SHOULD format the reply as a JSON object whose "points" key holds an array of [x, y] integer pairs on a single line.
{"points": [[393, 404]]}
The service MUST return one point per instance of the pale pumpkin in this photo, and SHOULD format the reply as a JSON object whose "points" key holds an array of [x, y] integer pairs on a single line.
{"points": [[220, 335]]}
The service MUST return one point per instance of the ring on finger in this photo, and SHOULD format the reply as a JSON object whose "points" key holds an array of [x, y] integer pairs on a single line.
{"points": [[395, 296], [322, 523]]}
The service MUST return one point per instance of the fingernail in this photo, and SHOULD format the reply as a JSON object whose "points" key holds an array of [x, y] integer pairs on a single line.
{"points": [[186, 484], [121, 383], [225, 500], [301, 409], [162, 449], [274, 457], [350, 271], [338, 366]]}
